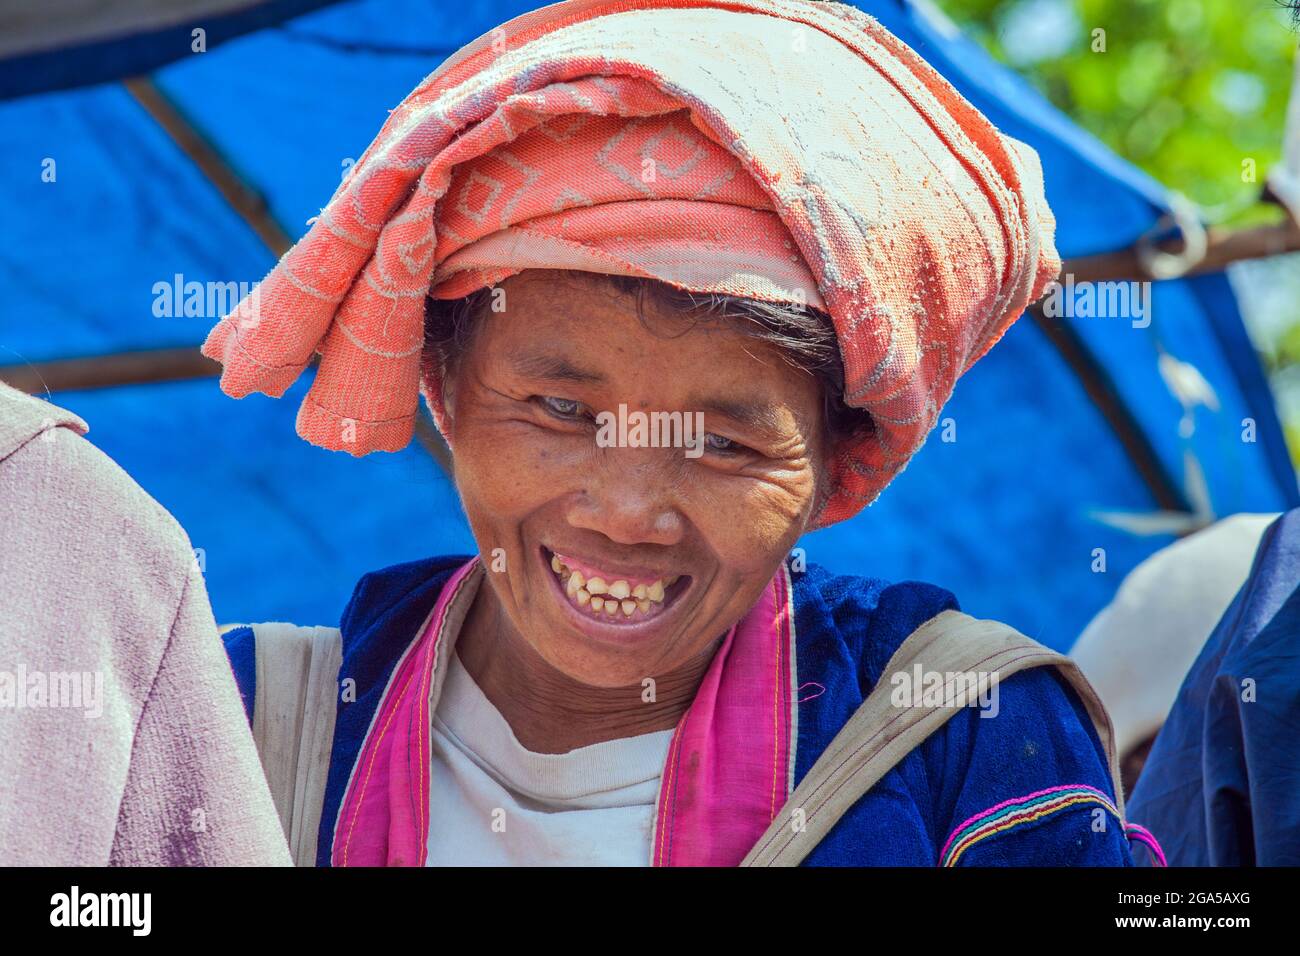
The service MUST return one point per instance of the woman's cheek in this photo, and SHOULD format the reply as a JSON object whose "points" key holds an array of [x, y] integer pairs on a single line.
{"points": [[513, 469], [753, 524]]}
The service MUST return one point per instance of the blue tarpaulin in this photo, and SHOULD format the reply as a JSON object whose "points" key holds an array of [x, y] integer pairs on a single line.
{"points": [[1004, 515]]}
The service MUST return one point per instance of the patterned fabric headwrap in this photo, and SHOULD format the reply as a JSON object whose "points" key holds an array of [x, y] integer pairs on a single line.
{"points": [[777, 149]]}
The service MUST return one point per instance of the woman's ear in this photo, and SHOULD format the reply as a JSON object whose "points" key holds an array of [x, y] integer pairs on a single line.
{"points": [[822, 484], [834, 450], [449, 407], [437, 381], [840, 447], [449, 395]]}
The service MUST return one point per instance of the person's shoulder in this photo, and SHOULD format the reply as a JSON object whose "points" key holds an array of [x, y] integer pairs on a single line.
{"points": [[861, 619], [24, 417], [1033, 746], [80, 506], [1023, 779], [854, 600]]}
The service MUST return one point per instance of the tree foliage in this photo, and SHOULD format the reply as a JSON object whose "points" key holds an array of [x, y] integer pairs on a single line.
{"points": [[1192, 91]]}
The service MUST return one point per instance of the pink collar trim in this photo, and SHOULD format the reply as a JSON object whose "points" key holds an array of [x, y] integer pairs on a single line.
{"points": [[728, 773], [730, 766]]}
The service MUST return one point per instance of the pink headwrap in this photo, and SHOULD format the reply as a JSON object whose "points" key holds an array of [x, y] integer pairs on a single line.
{"points": [[776, 149]]}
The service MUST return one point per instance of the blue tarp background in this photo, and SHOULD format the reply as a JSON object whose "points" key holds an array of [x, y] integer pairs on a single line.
{"points": [[1001, 516]]}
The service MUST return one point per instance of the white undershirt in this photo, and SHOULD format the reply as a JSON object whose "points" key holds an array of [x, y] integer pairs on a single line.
{"points": [[593, 806]]}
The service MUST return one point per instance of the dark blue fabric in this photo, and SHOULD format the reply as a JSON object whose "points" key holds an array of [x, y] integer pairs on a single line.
{"points": [[241, 648], [1221, 786], [846, 630]]}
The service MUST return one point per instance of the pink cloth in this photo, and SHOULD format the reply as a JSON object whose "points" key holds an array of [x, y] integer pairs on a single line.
{"points": [[138, 751], [778, 149], [730, 768]]}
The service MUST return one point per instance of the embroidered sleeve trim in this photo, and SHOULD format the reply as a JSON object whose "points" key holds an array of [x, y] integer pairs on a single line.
{"points": [[1022, 811]]}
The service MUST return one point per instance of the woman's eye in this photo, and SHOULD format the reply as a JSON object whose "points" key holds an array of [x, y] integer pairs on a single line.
{"points": [[724, 445], [561, 407]]}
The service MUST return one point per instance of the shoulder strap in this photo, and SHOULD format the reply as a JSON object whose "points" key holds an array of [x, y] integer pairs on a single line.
{"points": [[881, 733], [294, 707]]}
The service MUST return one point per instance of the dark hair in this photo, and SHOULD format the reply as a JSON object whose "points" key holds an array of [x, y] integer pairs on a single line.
{"points": [[802, 335]]}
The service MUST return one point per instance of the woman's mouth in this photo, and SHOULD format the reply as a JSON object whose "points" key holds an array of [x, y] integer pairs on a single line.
{"points": [[610, 595]]}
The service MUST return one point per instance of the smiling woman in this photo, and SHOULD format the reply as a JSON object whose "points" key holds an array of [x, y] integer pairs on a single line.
{"points": [[701, 537], [765, 238]]}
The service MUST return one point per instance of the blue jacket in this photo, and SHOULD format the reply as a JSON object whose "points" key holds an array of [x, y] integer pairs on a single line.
{"points": [[1222, 782]]}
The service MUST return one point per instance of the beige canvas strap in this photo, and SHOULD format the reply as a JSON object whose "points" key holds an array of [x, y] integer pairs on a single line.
{"points": [[881, 732], [294, 707]]}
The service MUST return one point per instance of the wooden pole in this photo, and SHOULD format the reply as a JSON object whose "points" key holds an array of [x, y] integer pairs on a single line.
{"points": [[106, 371], [1223, 248]]}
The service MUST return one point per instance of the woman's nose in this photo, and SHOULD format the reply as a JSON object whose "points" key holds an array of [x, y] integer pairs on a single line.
{"points": [[629, 505]]}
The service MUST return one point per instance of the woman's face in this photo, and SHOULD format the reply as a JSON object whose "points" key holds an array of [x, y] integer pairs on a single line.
{"points": [[659, 550]]}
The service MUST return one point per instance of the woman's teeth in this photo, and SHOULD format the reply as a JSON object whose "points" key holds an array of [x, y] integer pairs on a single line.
{"points": [[610, 598]]}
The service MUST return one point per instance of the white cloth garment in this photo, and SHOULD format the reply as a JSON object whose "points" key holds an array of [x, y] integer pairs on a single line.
{"points": [[494, 803]]}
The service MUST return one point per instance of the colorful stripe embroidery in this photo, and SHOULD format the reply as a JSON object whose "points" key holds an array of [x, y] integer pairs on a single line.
{"points": [[1021, 811]]}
